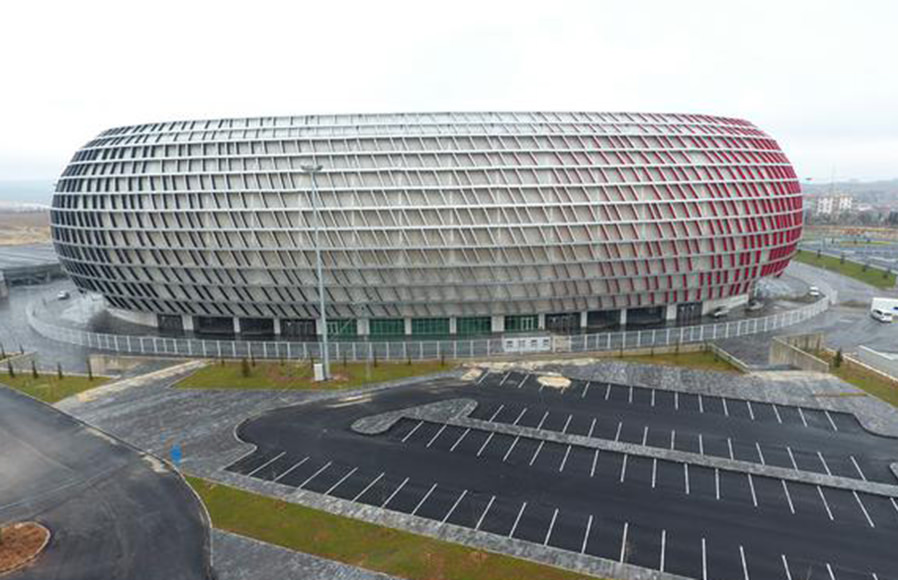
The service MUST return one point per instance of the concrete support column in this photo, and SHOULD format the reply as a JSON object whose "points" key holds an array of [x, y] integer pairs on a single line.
{"points": [[187, 322], [671, 312], [541, 322], [408, 326], [236, 325], [277, 326], [623, 316], [584, 317], [363, 327], [453, 325], [498, 324], [318, 329]]}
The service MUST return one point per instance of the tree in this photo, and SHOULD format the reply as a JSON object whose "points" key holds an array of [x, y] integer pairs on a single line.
{"points": [[90, 371], [842, 259], [59, 371], [818, 253], [837, 360], [12, 371], [244, 367], [34, 370]]}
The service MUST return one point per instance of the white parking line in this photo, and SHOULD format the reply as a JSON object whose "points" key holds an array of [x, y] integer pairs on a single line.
{"points": [[830, 570], [607, 391], [701, 444], [586, 535], [623, 468], [792, 458], [730, 446], [858, 467], [726, 410], [438, 433], [516, 520], [825, 465], [653, 397], [617, 435], [663, 548], [266, 464], [513, 443], [524, 380], [395, 491], [284, 474], [863, 509], [623, 542], [751, 412], [751, 484], [760, 453], [744, 565], [717, 483], [788, 496], [630, 396], [524, 410], [423, 499], [536, 453], [499, 410], [786, 566], [704, 560], [314, 475], [701, 405], [654, 471], [563, 461], [831, 422], [455, 505], [676, 400], [825, 503], [485, 443], [551, 526], [367, 487], [592, 427], [543, 420], [779, 419], [462, 436], [801, 414], [483, 515], [645, 435], [342, 479], [595, 458], [482, 376], [505, 378], [686, 476], [585, 390], [412, 432], [567, 424], [894, 503]]}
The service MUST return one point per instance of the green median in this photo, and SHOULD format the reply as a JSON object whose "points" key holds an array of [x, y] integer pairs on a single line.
{"points": [[866, 274], [49, 387]]}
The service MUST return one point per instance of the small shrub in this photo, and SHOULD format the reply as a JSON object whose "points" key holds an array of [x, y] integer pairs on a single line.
{"points": [[837, 360], [244, 367], [90, 371], [12, 371], [375, 359], [34, 373], [252, 359], [59, 371]]}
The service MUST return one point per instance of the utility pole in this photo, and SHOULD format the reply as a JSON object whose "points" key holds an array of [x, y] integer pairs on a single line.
{"points": [[325, 355]]}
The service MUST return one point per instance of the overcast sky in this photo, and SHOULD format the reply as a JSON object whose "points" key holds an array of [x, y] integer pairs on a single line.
{"points": [[819, 76]]}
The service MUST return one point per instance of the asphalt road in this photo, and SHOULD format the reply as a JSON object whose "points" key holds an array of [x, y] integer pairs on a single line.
{"points": [[113, 512], [682, 518]]}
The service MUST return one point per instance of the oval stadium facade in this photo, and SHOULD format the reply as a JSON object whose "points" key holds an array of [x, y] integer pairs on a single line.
{"points": [[429, 224]]}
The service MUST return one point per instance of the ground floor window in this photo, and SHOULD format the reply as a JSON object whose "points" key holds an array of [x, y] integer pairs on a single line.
{"points": [[387, 327], [521, 322], [474, 325], [342, 327], [297, 327], [430, 326]]}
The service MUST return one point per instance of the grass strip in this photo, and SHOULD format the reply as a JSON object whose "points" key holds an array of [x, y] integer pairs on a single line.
{"points": [[872, 276], [48, 387], [359, 543], [863, 379]]}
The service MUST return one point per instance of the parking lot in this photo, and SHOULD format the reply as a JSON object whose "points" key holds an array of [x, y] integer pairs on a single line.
{"points": [[680, 517]]}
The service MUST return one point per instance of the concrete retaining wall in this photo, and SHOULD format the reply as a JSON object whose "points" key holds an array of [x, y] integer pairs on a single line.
{"points": [[792, 351]]}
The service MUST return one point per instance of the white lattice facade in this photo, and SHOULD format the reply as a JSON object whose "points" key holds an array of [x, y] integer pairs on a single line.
{"points": [[434, 220]]}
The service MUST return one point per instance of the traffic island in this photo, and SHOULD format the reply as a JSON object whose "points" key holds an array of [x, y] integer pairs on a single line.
{"points": [[21, 544]]}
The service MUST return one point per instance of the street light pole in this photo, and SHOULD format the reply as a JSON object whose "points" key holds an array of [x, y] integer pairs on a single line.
{"points": [[325, 355]]}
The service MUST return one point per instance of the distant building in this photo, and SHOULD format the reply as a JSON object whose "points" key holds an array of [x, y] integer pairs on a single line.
{"points": [[834, 204]]}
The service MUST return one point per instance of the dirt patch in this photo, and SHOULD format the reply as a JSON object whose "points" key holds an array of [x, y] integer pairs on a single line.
{"points": [[24, 228], [20, 544]]}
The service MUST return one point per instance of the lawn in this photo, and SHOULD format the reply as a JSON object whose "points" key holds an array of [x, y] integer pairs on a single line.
{"points": [[871, 275], [48, 387], [298, 375], [701, 360], [359, 543], [864, 380]]}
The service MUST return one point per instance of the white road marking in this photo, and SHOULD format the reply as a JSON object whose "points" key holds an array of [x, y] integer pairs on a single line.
{"points": [[673, 438], [825, 503], [513, 443], [645, 435], [825, 465], [863, 509], [563, 461], [630, 397], [676, 400], [499, 410], [744, 565], [831, 422], [455, 505], [595, 458], [686, 476], [751, 412], [483, 515], [536, 453], [894, 503], [730, 446], [462, 436], [623, 468], [701, 444], [751, 484], [412, 432], [516, 520], [543, 420], [485, 443], [654, 471], [617, 435], [314, 475], [704, 560], [266, 464], [423, 499], [653, 397], [830, 570], [551, 526], [395, 491], [663, 548], [788, 496], [567, 424], [760, 453], [367, 487], [792, 458], [779, 419], [521, 414], [585, 390], [592, 427], [607, 391], [623, 542], [505, 378], [717, 483], [726, 410], [342, 479], [438, 433], [801, 414], [483, 376], [284, 474], [586, 535], [858, 467], [786, 566], [701, 405]]}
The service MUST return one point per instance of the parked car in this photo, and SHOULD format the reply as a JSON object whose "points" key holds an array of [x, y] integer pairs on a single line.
{"points": [[63, 295], [720, 312], [754, 306], [814, 292], [881, 315]]}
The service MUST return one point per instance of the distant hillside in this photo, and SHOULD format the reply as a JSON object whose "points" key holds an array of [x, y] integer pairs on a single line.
{"points": [[22, 226], [873, 192]]}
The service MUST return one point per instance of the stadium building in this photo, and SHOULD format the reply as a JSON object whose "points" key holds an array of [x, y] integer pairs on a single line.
{"points": [[430, 224]]}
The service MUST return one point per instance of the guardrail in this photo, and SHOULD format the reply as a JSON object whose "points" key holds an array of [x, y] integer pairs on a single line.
{"points": [[426, 349]]}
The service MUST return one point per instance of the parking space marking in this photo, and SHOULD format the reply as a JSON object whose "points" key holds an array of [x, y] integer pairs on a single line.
{"points": [[623, 468], [485, 443], [438, 433], [894, 503], [284, 474], [751, 412], [786, 566], [701, 405], [801, 414], [485, 510], [482, 376], [516, 520], [654, 471], [863, 509], [630, 396], [586, 535], [617, 435], [423, 499], [760, 453], [520, 415], [563, 461], [676, 400], [823, 461], [645, 435], [858, 467], [792, 458], [663, 548], [673, 439], [653, 397], [779, 420], [726, 410], [686, 476], [744, 564], [543, 420], [701, 444], [412, 432], [367, 487], [551, 526], [267, 463], [595, 458], [825, 503], [717, 483], [730, 446], [830, 570], [607, 391], [395, 491], [704, 560], [342, 479], [623, 542], [513, 443], [566, 424], [751, 485], [788, 496], [592, 427], [455, 505], [314, 475], [585, 390], [538, 449], [831, 422], [499, 410], [460, 437], [505, 378]]}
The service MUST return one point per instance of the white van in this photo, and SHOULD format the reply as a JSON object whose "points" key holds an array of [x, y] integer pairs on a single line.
{"points": [[881, 315]]}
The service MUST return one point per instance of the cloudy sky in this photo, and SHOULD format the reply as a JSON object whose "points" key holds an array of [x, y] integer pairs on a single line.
{"points": [[819, 76]]}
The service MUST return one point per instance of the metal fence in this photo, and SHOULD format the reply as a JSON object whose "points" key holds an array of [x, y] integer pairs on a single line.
{"points": [[426, 349]]}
